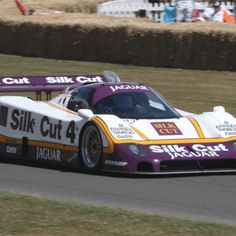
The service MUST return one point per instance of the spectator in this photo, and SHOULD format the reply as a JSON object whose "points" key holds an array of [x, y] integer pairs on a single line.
{"points": [[216, 13], [208, 13], [184, 10], [169, 14], [220, 14]]}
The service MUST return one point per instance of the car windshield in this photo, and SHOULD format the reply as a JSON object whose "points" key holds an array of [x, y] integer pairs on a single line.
{"points": [[136, 105]]}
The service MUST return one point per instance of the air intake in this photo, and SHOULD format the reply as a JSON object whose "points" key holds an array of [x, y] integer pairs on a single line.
{"points": [[191, 165], [145, 167]]}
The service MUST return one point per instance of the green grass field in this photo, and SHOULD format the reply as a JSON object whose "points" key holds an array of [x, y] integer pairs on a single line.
{"points": [[196, 91], [191, 90], [24, 215]]}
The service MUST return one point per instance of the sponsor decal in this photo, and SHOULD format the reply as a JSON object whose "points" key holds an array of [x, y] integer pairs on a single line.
{"points": [[227, 128], [10, 81], [70, 80], [48, 154], [129, 121], [188, 151], [51, 80], [53, 129], [22, 121], [122, 132], [115, 163], [11, 149], [3, 116], [126, 87], [48, 128], [166, 128]]}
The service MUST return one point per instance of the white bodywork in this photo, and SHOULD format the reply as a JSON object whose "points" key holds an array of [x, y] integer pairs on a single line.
{"points": [[50, 121]]}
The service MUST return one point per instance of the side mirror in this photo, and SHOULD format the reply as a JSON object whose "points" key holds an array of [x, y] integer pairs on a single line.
{"points": [[85, 113], [218, 109], [111, 76]]}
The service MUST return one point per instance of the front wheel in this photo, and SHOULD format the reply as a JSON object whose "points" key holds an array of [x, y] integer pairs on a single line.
{"points": [[91, 148]]}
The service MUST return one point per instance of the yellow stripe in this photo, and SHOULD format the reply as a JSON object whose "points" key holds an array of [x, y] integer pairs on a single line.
{"points": [[102, 125], [182, 141], [112, 140], [147, 142], [196, 126], [6, 139], [53, 145], [110, 148], [139, 133], [61, 108], [110, 137]]}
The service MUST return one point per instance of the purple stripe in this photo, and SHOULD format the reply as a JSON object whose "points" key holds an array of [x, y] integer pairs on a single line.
{"points": [[114, 88]]}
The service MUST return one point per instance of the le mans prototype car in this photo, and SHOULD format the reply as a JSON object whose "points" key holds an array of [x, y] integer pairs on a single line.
{"points": [[101, 124]]}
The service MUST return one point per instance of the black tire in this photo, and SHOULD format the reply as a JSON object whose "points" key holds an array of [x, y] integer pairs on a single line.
{"points": [[91, 148]]}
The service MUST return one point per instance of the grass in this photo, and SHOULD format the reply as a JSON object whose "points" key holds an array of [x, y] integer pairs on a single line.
{"points": [[24, 215], [192, 90]]}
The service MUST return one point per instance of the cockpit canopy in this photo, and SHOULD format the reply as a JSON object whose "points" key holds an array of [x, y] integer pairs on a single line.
{"points": [[133, 102]]}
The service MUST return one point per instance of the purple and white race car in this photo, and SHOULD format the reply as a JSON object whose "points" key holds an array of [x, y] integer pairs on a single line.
{"points": [[101, 124]]}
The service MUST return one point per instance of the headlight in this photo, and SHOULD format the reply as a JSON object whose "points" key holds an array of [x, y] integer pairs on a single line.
{"points": [[134, 149], [137, 150], [234, 145]]}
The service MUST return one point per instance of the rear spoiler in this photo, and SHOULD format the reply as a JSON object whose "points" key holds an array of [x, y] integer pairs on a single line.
{"points": [[49, 84]]}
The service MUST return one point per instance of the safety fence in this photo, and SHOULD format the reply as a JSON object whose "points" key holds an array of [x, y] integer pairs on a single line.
{"points": [[143, 8]]}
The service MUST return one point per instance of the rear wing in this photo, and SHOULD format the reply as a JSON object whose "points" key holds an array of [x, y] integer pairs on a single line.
{"points": [[49, 84]]}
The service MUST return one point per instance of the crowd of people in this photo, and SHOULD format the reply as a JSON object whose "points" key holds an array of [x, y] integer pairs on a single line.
{"points": [[217, 13], [186, 11]]}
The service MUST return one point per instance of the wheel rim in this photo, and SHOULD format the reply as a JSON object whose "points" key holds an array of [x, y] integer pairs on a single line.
{"points": [[91, 147]]}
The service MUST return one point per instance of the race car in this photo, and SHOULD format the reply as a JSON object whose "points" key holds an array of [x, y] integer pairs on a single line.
{"points": [[99, 123]]}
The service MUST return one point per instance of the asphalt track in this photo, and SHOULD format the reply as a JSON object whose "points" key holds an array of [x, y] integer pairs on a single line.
{"points": [[210, 197]]}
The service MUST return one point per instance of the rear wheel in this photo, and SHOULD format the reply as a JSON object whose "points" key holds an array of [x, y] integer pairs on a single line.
{"points": [[91, 148]]}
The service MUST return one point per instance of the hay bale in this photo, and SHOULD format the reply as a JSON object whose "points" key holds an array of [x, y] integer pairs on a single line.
{"points": [[160, 47]]}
